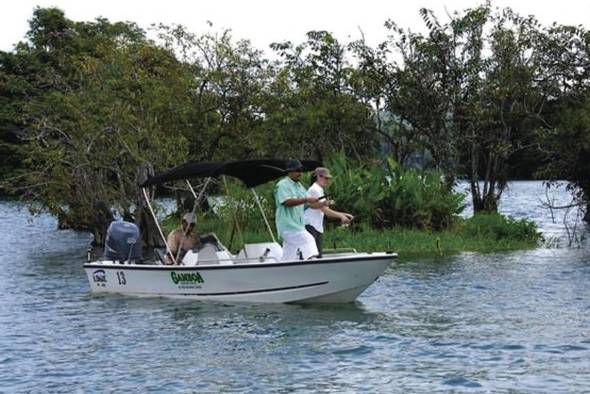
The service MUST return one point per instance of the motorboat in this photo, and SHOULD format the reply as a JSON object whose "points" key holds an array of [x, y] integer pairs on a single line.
{"points": [[211, 273]]}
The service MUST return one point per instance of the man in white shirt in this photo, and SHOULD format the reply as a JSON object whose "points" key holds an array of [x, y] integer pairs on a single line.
{"points": [[314, 217]]}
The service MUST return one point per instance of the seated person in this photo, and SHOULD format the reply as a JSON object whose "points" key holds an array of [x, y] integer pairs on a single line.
{"points": [[182, 238]]}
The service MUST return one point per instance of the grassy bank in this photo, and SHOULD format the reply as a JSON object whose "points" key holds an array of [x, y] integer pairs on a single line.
{"points": [[410, 242], [483, 233]]}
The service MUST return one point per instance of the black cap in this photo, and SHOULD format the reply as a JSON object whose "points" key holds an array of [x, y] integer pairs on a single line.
{"points": [[293, 165]]}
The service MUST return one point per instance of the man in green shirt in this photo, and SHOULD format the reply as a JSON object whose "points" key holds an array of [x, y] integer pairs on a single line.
{"points": [[290, 202]]}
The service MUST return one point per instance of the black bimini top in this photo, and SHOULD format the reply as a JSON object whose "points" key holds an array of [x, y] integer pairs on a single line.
{"points": [[251, 172]]}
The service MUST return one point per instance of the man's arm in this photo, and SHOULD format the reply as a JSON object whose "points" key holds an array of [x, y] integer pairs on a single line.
{"points": [[342, 216], [319, 204], [172, 242], [293, 202]]}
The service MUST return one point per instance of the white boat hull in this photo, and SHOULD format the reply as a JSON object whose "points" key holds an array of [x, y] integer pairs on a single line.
{"points": [[337, 279]]}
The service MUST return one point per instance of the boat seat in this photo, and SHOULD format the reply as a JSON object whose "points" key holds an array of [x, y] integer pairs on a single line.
{"points": [[210, 239], [208, 254]]}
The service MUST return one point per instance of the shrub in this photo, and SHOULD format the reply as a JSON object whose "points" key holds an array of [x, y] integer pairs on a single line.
{"points": [[498, 227], [357, 188], [387, 195]]}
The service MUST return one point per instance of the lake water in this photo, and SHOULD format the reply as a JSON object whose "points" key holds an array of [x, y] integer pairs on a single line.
{"points": [[508, 322]]}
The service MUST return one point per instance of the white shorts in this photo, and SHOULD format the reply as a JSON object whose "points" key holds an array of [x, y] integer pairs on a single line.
{"points": [[298, 241]]}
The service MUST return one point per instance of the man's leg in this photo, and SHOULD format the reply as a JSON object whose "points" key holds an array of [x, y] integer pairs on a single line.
{"points": [[317, 236], [306, 244], [296, 242], [289, 246]]}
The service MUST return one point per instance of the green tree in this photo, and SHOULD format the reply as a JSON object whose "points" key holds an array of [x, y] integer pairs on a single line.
{"points": [[570, 154], [424, 89], [106, 107], [374, 83], [472, 89], [230, 83], [12, 149], [566, 135], [497, 110], [312, 104]]}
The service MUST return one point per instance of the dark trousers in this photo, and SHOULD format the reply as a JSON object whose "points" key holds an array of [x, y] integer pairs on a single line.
{"points": [[317, 236]]}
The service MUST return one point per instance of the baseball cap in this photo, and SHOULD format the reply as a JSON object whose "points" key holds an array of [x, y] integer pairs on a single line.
{"points": [[323, 171]]}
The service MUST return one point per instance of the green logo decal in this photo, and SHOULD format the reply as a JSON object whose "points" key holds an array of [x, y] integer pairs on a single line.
{"points": [[190, 278]]}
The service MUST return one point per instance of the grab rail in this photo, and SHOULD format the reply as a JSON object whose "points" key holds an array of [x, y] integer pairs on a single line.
{"points": [[260, 259]]}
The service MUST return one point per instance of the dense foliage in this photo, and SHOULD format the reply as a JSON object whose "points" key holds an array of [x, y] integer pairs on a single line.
{"points": [[98, 107], [89, 109], [380, 195], [385, 194], [570, 153]]}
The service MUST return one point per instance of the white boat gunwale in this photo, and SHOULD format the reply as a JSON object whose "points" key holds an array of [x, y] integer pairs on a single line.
{"points": [[235, 265]]}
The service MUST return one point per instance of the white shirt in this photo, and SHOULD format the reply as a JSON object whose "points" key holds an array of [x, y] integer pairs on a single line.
{"points": [[313, 216]]}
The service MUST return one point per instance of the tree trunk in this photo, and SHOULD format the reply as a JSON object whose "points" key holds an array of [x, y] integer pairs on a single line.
{"points": [[150, 234], [488, 203], [95, 219], [100, 222]]}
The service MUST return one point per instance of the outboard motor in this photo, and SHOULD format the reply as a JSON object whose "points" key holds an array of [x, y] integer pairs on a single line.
{"points": [[122, 243]]}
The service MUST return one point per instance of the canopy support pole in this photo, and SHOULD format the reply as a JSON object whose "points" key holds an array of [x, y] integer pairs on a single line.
{"points": [[235, 216], [195, 205], [147, 200], [198, 198], [264, 216]]}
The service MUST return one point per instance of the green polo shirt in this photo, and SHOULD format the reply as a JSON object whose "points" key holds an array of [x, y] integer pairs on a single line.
{"points": [[289, 218]]}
